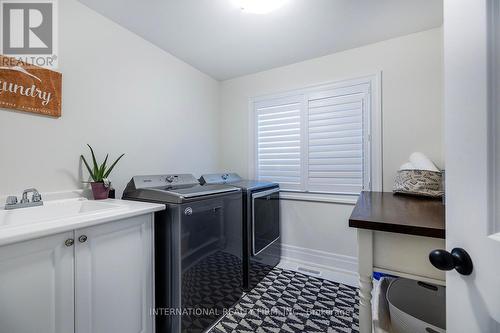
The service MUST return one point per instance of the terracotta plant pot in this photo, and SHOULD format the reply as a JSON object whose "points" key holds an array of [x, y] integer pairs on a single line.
{"points": [[99, 191]]}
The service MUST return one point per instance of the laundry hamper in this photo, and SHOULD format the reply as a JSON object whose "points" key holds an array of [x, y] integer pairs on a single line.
{"points": [[416, 307]]}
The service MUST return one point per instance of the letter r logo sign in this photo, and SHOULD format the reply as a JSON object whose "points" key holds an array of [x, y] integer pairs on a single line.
{"points": [[27, 27]]}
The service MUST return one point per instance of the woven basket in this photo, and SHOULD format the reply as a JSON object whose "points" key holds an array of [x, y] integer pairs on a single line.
{"points": [[419, 182]]}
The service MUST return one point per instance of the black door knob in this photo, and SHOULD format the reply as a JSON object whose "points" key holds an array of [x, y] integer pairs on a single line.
{"points": [[458, 259]]}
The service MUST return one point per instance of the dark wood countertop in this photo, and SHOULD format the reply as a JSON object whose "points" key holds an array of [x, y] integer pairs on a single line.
{"points": [[385, 211]]}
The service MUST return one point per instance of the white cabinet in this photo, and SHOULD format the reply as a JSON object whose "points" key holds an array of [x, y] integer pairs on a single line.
{"points": [[113, 277], [36, 286], [100, 284]]}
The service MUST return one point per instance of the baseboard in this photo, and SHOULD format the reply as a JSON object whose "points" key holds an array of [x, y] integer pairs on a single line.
{"points": [[325, 265]]}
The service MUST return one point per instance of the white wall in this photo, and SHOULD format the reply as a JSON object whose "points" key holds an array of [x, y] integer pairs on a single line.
{"points": [[120, 94], [412, 121]]}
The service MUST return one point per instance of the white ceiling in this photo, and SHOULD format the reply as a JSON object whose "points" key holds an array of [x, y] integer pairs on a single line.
{"points": [[219, 39]]}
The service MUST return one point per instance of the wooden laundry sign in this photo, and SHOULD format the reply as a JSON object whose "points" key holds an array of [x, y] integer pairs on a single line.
{"points": [[29, 88]]}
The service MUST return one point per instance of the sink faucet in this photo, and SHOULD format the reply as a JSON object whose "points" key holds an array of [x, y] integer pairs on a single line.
{"points": [[36, 200]]}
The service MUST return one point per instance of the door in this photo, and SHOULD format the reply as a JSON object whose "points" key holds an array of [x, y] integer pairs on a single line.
{"points": [[472, 197], [113, 277], [36, 285], [211, 266], [265, 219]]}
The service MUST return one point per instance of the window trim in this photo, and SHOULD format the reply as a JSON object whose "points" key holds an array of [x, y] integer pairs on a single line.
{"points": [[375, 122], [346, 199]]}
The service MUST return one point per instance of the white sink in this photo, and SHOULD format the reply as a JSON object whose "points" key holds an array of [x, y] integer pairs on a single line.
{"points": [[55, 210]]}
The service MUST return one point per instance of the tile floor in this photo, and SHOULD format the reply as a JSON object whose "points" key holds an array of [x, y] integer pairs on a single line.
{"points": [[291, 302]]}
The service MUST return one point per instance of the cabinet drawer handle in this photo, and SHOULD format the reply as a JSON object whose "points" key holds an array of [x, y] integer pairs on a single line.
{"points": [[69, 242], [82, 239]]}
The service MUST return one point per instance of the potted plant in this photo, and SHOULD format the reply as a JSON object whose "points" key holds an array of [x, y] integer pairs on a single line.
{"points": [[99, 174]]}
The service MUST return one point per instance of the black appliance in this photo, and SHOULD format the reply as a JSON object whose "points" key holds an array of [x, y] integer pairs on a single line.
{"points": [[261, 224], [198, 250]]}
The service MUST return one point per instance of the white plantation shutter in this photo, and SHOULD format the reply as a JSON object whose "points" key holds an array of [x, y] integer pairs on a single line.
{"points": [[317, 140], [278, 123], [336, 142]]}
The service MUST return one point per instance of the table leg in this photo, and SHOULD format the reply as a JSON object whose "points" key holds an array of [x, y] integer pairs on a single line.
{"points": [[365, 270]]}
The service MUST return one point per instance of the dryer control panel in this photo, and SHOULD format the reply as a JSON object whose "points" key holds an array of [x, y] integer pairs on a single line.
{"points": [[220, 178], [164, 180]]}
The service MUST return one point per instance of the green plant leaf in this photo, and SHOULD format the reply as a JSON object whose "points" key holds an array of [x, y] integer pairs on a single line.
{"points": [[88, 167], [102, 169], [96, 166], [112, 166]]}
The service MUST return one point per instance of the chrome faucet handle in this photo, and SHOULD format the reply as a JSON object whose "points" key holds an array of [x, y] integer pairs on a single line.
{"points": [[37, 197], [11, 200]]}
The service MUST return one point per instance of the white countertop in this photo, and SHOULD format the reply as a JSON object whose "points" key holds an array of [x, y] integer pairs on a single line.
{"points": [[58, 216]]}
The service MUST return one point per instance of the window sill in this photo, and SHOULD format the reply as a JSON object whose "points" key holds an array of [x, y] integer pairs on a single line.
{"points": [[345, 199]]}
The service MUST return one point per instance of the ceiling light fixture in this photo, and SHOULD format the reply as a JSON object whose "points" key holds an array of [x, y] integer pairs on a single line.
{"points": [[260, 6]]}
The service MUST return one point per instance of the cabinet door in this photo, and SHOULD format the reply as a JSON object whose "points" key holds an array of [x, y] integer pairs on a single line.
{"points": [[36, 286], [114, 277]]}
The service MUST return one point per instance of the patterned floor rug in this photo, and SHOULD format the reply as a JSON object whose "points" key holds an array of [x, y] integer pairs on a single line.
{"points": [[290, 302]]}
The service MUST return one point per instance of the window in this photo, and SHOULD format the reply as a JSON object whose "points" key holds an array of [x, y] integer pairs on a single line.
{"points": [[324, 139]]}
